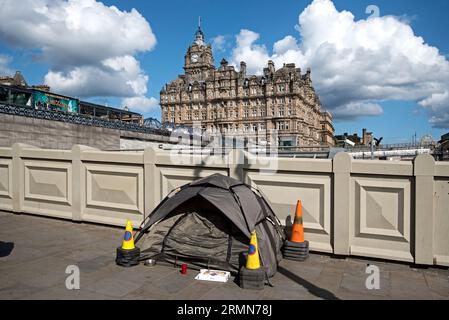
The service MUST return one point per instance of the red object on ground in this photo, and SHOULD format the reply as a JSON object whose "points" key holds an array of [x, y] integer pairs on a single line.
{"points": [[184, 268]]}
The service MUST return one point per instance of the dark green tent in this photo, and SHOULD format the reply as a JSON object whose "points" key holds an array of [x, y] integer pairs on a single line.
{"points": [[208, 223]]}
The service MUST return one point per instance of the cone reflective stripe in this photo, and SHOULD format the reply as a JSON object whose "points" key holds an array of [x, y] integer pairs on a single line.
{"points": [[128, 238], [253, 261], [298, 228]]}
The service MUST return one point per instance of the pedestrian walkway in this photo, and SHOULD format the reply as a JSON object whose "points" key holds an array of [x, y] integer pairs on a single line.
{"points": [[35, 252]]}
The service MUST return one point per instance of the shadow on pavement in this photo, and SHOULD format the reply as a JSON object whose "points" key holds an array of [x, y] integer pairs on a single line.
{"points": [[6, 248], [316, 291]]}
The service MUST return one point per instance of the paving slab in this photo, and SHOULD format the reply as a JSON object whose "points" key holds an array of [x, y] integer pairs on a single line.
{"points": [[173, 283], [195, 291], [438, 285], [357, 284], [18, 291], [345, 294], [410, 286], [329, 279], [147, 292], [112, 286], [226, 292], [59, 293]]}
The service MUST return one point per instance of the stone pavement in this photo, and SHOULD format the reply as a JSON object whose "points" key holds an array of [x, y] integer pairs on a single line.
{"points": [[35, 252]]}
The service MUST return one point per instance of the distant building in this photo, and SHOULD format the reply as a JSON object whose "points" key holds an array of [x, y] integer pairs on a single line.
{"points": [[327, 129], [367, 137], [16, 91], [442, 151], [233, 103], [340, 139], [19, 81], [364, 140]]}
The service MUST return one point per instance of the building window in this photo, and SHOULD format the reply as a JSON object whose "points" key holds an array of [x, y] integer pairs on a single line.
{"points": [[254, 112], [282, 126], [281, 112], [254, 127], [246, 127], [262, 127], [287, 126], [282, 88], [246, 113]]}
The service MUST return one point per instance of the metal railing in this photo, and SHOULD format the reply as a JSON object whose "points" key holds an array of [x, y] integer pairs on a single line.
{"points": [[79, 119], [393, 146]]}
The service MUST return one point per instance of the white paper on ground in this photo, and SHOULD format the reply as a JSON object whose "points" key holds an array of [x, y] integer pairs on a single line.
{"points": [[213, 275]]}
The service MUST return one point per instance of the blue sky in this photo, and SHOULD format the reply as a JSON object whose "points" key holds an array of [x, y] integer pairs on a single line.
{"points": [[174, 22]]}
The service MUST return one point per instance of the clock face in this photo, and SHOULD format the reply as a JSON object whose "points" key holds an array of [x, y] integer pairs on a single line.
{"points": [[194, 58]]}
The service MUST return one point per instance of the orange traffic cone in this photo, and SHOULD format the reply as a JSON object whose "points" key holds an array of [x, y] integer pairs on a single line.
{"points": [[297, 248], [298, 229]]}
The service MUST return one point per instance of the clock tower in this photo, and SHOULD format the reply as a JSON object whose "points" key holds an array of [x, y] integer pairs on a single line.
{"points": [[199, 61]]}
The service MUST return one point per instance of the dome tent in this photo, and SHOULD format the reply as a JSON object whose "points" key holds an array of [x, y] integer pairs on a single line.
{"points": [[208, 223]]}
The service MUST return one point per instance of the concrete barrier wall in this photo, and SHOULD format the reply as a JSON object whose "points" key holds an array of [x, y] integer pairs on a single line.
{"points": [[52, 134], [390, 210]]}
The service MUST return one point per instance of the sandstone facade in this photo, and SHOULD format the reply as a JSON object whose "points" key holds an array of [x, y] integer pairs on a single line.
{"points": [[279, 105]]}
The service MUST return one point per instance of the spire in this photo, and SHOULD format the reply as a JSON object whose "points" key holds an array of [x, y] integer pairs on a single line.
{"points": [[199, 35], [19, 80]]}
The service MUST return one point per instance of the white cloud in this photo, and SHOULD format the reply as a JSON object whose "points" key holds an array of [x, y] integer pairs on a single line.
{"points": [[4, 65], [90, 47], [116, 77], [438, 103], [219, 43], [285, 45], [74, 32], [353, 110], [140, 104], [356, 63], [254, 55]]}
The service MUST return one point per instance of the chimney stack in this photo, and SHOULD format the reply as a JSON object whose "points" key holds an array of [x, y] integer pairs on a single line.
{"points": [[242, 69]]}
